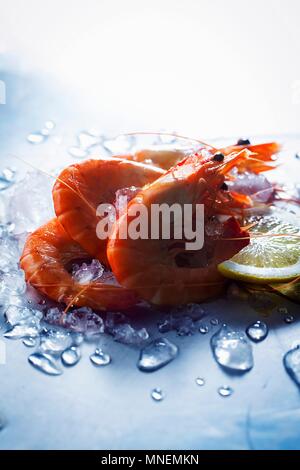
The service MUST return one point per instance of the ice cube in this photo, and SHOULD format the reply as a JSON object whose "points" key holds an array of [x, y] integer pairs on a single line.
{"points": [[13, 282], [30, 327], [85, 273], [53, 316], [123, 196], [157, 354], [54, 341], [84, 320], [87, 140], [126, 334], [251, 184], [113, 319], [18, 315]]}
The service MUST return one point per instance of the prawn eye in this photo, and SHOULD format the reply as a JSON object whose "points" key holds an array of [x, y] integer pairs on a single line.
{"points": [[224, 187], [243, 142], [218, 157]]}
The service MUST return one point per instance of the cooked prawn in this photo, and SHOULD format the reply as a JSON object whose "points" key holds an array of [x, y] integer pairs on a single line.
{"points": [[162, 271], [165, 156], [46, 256], [80, 188]]}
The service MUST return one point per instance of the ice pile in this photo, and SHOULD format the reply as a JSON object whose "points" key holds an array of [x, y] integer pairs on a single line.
{"points": [[79, 320], [184, 319], [30, 202], [123, 332]]}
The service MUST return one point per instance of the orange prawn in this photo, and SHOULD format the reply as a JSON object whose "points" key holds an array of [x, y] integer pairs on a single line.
{"points": [[167, 156], [45, 259], [162, 271], [80, 188]]}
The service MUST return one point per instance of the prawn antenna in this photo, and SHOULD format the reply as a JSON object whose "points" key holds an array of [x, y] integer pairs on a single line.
{"points": [[170, 134]]}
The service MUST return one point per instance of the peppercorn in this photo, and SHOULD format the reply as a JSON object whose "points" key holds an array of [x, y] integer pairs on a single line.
{"points": [[243, 142]]}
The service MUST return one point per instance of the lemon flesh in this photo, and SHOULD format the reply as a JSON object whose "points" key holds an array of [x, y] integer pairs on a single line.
{"points": [[273, 254]]}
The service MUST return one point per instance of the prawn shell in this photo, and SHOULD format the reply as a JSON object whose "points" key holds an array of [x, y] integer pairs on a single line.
{"points": [[47, 253], [81, 187], [148, 267]]}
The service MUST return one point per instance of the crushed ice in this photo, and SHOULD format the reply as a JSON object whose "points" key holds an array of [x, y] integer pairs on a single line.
{"points": [[29, 315], [251, 184], [183, 319], [85, 273], [86, 142]]}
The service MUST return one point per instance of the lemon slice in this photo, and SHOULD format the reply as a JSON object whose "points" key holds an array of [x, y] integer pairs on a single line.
{"points": [[273, 254]]}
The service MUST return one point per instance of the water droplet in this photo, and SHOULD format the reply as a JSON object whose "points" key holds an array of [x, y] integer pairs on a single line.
{"points": [[289, 319], [291, 363], [225, 391], [283, 310], [200, 381], [203, 329], [50, 125], [45, 363], [77, 152], [232, 350], [214, 321], [257, 331], [157, 354], [36, 138], [29, 342], [71, 356], [157, 394], [100, 358]]}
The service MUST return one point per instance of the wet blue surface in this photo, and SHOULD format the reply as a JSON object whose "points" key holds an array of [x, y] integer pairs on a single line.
{"points": [[111, 407]]}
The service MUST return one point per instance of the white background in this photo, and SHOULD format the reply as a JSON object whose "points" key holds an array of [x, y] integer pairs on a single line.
{"points": [[206, 68]]}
